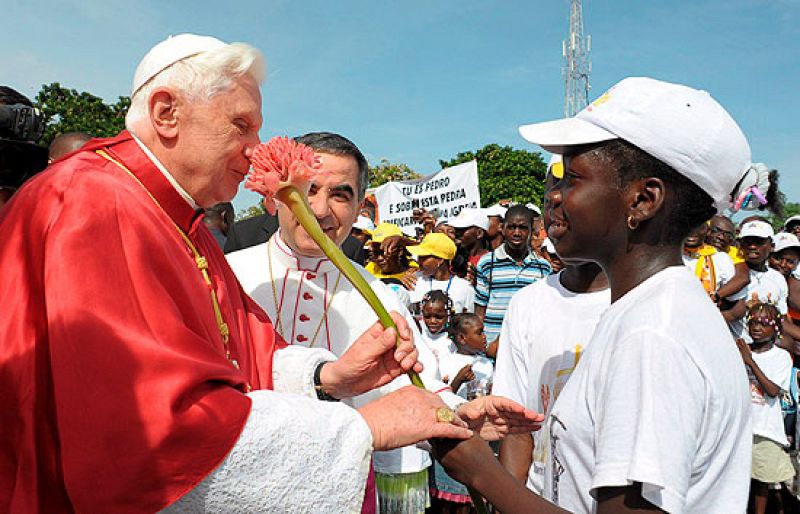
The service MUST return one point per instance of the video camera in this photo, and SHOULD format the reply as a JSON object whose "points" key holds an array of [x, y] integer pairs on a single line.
{"points": [[20, 157], [21, 123]]}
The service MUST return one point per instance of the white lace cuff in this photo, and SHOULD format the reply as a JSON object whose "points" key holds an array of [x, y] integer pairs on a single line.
{"points": [[293, 369], [295, 455]]}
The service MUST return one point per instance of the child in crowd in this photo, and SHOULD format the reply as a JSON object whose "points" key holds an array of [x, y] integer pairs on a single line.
{"points": [[434, 255], [469, 373], [769, 368], [766, 285], [436, 309]]}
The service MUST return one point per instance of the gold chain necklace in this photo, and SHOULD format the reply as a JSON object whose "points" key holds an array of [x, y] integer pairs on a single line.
{"points": [[279, 306], [200, 261]]}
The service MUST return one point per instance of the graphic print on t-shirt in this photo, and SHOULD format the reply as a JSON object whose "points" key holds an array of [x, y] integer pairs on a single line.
{"points": [[756, 393], [552, 385]]}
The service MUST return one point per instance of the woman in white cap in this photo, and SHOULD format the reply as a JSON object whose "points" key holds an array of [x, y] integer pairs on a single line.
{"points": [[656, 414]]}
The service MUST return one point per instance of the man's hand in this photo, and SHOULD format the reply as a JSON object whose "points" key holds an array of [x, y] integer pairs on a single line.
{"points": [[408, 416], [494, 417], [371, 361]]}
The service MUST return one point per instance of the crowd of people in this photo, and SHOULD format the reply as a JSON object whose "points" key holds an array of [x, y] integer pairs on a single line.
{"points": [[626, 346]]}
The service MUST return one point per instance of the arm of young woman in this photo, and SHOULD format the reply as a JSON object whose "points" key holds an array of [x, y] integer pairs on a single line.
{"points": [[516, 455], [472, 463]]}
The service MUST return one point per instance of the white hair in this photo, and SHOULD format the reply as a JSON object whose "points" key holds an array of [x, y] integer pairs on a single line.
{"points": [[200, 77]]}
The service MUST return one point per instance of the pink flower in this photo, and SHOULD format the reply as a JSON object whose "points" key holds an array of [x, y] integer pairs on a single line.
{"points": [[278, 163]]}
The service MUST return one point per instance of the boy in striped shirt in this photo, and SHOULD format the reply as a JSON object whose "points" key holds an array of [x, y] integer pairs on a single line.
{"points": [[507, 269]]}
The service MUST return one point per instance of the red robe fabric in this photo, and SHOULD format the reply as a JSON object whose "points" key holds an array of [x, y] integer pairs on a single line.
{"points": [[115, 393]]}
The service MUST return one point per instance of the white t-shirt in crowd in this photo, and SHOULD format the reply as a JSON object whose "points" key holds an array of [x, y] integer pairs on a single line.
{"points": [[724, 270], [482, 367], [660, 397], [545, 331], [460, 291], [765, 286], [439, 344], [776, 363]]}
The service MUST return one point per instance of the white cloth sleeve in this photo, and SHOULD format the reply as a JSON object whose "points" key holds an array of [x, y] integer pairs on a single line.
{"points": [[723, 264], [294, 455], [511, 368], [650, 413], [293, 369]]}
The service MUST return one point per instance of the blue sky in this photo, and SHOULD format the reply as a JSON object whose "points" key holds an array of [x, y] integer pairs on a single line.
{"points": [[418, 81]]}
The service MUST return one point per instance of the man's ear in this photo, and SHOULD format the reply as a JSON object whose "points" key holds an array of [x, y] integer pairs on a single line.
{"points": [[163, 107], [361, 205], [645, 198]]}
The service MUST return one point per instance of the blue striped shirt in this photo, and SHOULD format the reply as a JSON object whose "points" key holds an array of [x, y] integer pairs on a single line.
{"points": [[498, 278]]}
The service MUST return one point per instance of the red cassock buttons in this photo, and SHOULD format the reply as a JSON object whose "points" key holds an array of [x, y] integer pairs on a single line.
{"points": [[303, 317], [310, 276], [307, 296], [301, 338]]}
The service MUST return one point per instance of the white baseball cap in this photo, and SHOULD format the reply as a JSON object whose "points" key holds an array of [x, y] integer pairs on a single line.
{"points": [[783, 240], [470, 218], [756, 228], [534, 208], [678, 125], [364, 223], [495, 210], [170, 51], [791, 219]]}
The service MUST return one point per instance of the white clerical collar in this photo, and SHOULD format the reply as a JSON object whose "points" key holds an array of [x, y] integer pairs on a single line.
{"points": [[293, 260], [181, 191]]}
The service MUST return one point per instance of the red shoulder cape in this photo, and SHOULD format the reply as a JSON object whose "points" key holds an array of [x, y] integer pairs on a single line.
{"points": [[116, 394]]}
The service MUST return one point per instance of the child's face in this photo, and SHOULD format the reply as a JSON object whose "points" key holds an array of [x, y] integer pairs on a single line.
{"points": [[755, 249], [473, 337], [428, 264], [435, 316], [784, 261], [761, 328]]}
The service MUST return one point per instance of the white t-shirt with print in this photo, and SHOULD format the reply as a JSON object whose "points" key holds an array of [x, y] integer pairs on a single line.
{"points": [[660, 397], [460, 291], [765, 286], [776, 364], [546, 329]]}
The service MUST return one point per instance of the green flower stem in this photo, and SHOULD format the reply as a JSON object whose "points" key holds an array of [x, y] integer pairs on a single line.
{"points": [[297, 203]]}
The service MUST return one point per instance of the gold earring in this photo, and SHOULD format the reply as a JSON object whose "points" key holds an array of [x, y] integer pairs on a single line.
{"points": [[633, 223]]}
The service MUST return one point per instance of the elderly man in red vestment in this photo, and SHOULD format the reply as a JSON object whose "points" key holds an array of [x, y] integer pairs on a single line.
{"points": [[135, 373]]}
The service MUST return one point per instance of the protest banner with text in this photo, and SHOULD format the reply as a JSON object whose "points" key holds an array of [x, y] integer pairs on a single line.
{"points": [[444, 194]]}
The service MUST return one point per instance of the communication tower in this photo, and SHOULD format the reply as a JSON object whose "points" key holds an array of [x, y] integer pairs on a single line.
{"points": [[577, 66]]}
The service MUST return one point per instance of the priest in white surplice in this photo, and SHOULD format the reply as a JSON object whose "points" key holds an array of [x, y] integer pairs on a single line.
{"points": [[313, 305]]}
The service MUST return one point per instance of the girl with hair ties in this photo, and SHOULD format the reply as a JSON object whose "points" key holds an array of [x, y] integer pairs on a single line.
{"points": [[656, 414]]}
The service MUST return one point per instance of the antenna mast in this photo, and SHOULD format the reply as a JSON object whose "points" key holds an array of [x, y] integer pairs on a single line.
{"points": [[577, 66]]}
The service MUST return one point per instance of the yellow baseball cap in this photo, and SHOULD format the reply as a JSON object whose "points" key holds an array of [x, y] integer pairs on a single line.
{"points": [[385, 230], [436, 244]]}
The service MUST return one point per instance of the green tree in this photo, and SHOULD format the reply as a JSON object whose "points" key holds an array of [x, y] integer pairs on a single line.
{"points": [[389, 172], [254, 210], [504, 172], [67, 110], [789, 209]]}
